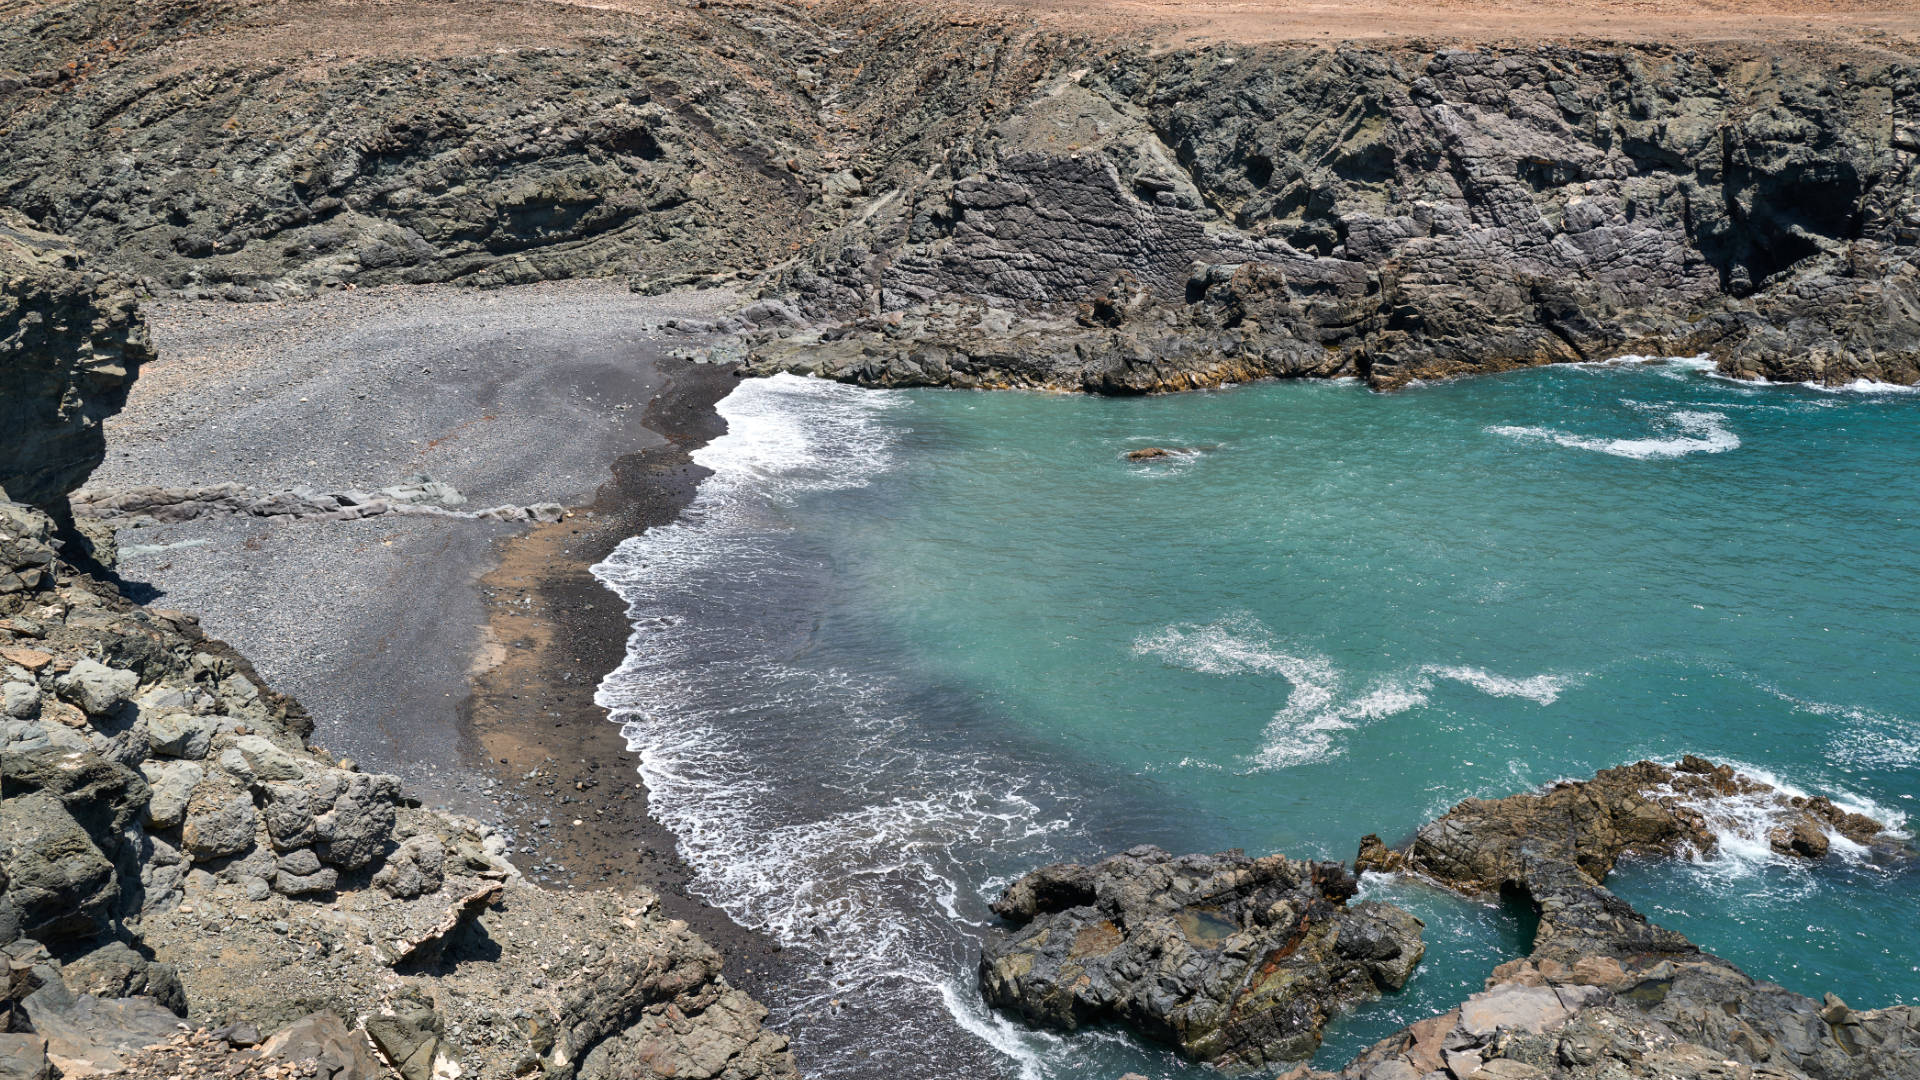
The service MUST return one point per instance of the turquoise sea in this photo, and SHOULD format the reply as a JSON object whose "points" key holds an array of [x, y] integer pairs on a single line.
{"points": [[910, 644]]}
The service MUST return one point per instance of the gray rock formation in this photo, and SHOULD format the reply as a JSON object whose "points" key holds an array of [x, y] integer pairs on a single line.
{"points": [[1394, 215], [1236, 962], [71, 341], [136, 506]]}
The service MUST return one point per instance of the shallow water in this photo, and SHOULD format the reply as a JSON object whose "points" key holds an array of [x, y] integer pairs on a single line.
{"points": [[907, 645]]}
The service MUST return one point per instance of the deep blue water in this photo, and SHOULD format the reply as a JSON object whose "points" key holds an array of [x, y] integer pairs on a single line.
{"points": [[908, 645]]}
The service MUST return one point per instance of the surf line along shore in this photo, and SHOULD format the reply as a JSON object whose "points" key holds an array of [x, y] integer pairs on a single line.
{"points": [[428, 646], [553, 632]]}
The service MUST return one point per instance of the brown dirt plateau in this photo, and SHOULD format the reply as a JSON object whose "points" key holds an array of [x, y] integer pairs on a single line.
{"points": [[313, 35]]}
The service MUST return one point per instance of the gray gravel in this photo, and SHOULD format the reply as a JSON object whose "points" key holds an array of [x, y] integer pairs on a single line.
{"points": [[513, 396]]}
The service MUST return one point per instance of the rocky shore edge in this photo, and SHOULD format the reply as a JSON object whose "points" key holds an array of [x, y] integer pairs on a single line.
{"points": [[1237, 962]]}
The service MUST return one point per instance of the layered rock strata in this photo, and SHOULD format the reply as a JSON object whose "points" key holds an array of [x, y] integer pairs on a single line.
{"points": [[982, 202], [1236, 962], [171, 844], [1197, 217]]}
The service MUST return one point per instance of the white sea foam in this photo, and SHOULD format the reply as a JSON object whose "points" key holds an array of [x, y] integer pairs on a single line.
{"points": [[1857, 386], [1542, 689], [1743, 827], [1672, 367], [1871, 739], [1694, 431], [855, 861], [1318, 706]]}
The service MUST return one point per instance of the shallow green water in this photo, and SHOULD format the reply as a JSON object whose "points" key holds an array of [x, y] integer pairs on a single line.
{"points": [[1340, 613]]}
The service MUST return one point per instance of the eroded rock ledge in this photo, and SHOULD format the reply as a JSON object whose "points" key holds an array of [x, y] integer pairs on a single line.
{"points": [[71, 342], [1236, 962]]}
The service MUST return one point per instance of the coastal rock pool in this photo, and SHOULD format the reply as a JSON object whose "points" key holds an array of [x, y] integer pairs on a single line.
{"points": [[907, 645]]}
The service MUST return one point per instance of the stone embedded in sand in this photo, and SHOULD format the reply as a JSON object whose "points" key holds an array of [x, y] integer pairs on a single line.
{"points": [[1237, 962]]}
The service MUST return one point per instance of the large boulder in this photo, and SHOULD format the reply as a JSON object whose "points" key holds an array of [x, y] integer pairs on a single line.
{"points": [[66, 835], [71, 342], [1236, 962]]}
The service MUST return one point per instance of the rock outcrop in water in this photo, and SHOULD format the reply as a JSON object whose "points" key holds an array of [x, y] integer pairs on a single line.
{"points": [[1605, 992], [171, 846], [1646, 808], [1236, 962], [71, 342]]}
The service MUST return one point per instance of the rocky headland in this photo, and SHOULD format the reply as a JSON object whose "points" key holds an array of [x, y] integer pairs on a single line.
{"points": [[187, 879], [1237, 961]]}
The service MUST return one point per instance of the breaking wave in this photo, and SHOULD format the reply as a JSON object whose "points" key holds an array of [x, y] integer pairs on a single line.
{"points": [[859, 863], [1692, 431], [1743, 827]]}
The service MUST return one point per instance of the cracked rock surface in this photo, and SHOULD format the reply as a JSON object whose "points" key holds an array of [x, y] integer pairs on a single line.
{"points": [[1236, 962]]}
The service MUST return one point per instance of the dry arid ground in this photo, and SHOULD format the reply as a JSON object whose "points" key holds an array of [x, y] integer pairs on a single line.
{"points": [[331, 31], [1487, 21]]}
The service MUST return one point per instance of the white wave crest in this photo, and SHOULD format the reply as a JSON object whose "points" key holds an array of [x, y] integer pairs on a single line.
{"points": [[855, 862], [1542, 689], [1672, 367], [1694, 432], [1871, 739], [1317, 710]]}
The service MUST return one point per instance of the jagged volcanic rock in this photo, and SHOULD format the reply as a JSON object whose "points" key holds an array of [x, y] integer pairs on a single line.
{"points": [[1604, 992], [1646, 808], [1237, 962], [170, 843]]}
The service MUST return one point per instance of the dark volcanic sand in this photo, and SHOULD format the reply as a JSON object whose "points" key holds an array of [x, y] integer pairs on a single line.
{"points": [[428, 647], [554, 632]]}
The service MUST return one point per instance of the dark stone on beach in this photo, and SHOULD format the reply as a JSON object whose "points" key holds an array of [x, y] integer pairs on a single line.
{"points": [[324, 1040], [1236, 962], [116, 970], [240, 1033]]}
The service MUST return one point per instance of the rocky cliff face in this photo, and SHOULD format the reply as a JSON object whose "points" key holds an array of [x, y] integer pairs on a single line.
{"points": [[71, 341], [251, 151], [961, 200], [1196, 217]]}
